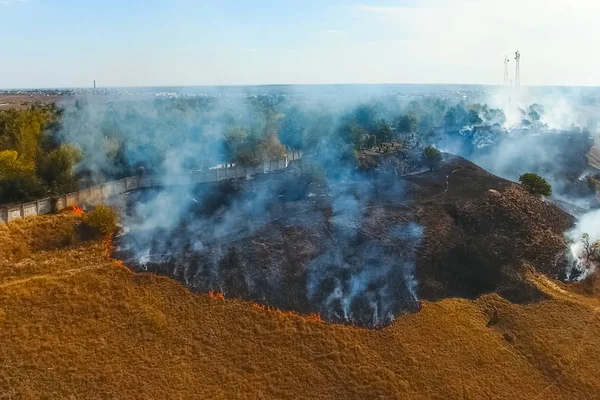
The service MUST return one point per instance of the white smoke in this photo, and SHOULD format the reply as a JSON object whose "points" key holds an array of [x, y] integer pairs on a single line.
{"points": [[588, 224]]}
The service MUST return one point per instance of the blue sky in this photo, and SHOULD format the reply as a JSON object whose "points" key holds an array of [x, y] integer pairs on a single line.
{"points": [[68, 43]]}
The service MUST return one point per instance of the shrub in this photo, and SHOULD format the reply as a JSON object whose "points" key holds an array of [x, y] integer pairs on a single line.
{"points": [[68, 235], [311, 173], [432, 157], [101, 221], [535, 184]]}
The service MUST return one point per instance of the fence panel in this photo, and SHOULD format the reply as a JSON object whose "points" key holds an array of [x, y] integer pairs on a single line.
{"points": [[14, 212], [240, 172], [108, 189], [84, 196], [132, 183], [120, 186], [60, 203], [96, 195], [44, 206], [205, 177], [71, 199], [144, 182], [29, 210]]}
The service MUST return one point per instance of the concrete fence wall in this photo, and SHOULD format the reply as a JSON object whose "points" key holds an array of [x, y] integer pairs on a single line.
{"points": [[98, 194]]}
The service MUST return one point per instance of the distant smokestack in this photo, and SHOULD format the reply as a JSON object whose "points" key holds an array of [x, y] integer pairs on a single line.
{"points": [[94, 84], [518, 69]]}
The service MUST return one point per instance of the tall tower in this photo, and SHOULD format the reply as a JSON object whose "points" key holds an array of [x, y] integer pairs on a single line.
{"points": [[518, 69], [506, 79]]}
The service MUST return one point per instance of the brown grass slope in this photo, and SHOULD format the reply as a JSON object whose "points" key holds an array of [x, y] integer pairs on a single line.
{"points": [[74, 325]]}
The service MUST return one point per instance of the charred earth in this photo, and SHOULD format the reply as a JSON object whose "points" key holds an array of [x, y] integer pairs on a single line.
{"points": [[362, 250]]}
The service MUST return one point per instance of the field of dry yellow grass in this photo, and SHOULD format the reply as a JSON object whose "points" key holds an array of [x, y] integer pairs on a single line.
{"points": [[74, 324]]}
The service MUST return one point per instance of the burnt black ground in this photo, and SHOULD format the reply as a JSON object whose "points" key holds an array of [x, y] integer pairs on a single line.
{"points": [[364, 250]]}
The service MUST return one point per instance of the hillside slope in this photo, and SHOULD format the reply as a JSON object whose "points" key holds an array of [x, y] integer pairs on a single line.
{"points": [[76, 324], [368, 249]]}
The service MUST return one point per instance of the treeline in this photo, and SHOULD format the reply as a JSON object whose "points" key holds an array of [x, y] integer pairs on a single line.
{"points": [[33, 162], [46, 150]]}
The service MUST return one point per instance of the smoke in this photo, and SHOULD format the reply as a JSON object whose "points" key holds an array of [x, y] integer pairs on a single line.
{"points": [[548, 131], [220, 236], [581, 266], [563, 108], [367, 283]]}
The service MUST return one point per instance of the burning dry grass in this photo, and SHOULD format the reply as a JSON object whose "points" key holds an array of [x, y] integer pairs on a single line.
{"points": [[76, 325], [274, 310], [77, 210]]}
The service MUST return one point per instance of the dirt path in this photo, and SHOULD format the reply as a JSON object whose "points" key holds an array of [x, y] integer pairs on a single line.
{"points": [[59, 275], [447, 185]]}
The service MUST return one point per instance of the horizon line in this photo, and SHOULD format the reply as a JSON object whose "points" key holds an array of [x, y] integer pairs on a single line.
{"points": [[32, 88]]}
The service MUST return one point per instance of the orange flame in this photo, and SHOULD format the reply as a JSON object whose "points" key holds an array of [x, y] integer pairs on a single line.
{"points": [[310, 317], [77, 210], [109, 248], [216, 295]]}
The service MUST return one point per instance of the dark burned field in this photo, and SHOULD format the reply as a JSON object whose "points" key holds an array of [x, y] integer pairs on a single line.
{"points": [[363, 252]]}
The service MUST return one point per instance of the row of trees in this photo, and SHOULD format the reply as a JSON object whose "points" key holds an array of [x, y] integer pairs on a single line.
{"points": [[33, 162], [40, 146]]}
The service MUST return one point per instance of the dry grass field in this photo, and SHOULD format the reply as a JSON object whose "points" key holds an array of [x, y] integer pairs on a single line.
{"points": [[75, 324]]}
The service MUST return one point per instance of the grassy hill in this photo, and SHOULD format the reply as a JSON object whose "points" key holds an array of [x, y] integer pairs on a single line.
{"points": [[75, 324]]}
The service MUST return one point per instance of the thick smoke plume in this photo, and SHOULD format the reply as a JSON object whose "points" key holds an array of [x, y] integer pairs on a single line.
{"points": [[581, 265], [203, 234]]}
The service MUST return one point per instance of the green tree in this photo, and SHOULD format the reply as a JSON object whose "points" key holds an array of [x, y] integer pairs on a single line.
{"points": [[18, 180], [455, 117], [352, 134], [368, 142], [473, 117], [56, 167], [535, 111], [293, 128], [432, 157], [407, 128], [270, 148], [365, 116], [407, 124], [235, 138], [383, 131], [310, 174], [535, 184]]}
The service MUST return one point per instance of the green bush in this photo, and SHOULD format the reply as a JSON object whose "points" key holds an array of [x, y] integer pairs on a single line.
{"points": [[311, 173], [101, 221], [432, 157], [68, 235], [535, 184]]}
